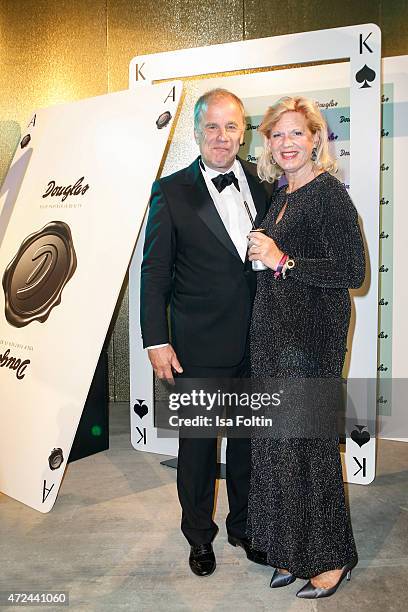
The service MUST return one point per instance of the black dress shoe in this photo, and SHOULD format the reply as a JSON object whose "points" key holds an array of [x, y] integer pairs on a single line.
{"points": [[256, 556], [280, 579], [202, 559]]}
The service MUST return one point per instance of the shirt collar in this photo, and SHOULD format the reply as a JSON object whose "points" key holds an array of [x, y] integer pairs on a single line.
{"points": [[212, 173]]}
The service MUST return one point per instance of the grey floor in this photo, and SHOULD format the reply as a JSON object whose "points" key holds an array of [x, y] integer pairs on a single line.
{"points": [[113, 541]]}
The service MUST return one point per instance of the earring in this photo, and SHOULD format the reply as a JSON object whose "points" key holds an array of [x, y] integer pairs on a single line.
{"points": [[273, 161], [313, 156]]}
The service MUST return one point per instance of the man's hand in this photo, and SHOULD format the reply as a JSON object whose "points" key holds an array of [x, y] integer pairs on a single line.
{"points": [[164, 361]]}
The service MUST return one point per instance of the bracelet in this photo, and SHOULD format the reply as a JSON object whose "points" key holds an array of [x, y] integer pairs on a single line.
{"points": [[289, 265], [282, 262]]}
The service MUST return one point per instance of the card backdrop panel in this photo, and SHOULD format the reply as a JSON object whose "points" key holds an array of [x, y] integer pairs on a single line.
{"points": [[71, 209], [354, 87], [393, 297]]}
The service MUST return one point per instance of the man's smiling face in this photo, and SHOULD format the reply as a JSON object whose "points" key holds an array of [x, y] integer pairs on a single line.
{"points": [[220, 133]]}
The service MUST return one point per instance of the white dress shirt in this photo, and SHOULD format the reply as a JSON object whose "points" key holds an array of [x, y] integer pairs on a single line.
{"points": [[230, 205], [231, 208]]}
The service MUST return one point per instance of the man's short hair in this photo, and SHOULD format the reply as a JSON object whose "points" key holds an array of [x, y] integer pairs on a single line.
{"points": [[203, 101]]}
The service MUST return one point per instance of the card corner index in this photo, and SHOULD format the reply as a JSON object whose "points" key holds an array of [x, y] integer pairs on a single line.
{"points": [[174, 88]]}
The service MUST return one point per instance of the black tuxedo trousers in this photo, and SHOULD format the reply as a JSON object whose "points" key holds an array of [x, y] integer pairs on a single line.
{"points": [[197, 473]]}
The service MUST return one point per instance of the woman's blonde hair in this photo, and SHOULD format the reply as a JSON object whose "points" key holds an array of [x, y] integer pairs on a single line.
{"points": [[268, 170]]}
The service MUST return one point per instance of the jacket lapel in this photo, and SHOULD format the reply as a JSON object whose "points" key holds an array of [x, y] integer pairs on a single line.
{"points": [[206, 209]]}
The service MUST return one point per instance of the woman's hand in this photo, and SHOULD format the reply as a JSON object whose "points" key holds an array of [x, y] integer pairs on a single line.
{"points": [[264, 248]]}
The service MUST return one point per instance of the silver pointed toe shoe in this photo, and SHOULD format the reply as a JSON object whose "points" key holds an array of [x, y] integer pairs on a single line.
{"points": [[279, 579], [311, 592]]}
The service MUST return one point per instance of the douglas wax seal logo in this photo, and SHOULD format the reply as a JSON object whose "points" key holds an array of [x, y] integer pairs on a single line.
{"points": [[35, 278], [163, 120], [55, 459], [25, 140]]}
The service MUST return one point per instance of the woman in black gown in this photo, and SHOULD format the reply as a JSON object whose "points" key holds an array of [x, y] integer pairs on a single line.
{"points": [[314, 252]]}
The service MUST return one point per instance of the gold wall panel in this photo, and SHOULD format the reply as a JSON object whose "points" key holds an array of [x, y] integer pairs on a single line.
{"points": [[274, 18], [54, 51], [394, 26], [51, 51], [138, 28]]}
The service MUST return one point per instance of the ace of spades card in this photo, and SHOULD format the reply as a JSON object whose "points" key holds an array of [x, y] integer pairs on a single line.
{"points": [[85, 171]]}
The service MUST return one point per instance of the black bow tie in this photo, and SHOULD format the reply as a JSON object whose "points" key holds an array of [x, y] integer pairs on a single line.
{"points": [[223, 180]]}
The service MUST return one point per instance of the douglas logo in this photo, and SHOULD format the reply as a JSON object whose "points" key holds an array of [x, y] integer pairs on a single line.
{"points": [[71, 190], [35, 278], [19, 367], [330, 104]]}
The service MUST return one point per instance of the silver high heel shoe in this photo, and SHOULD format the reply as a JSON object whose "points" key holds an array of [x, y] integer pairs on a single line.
{"points": [[280, 580], [311, 592]]}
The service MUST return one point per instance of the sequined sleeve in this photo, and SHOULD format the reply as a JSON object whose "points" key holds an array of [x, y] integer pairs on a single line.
{"points": [[343, 265]]}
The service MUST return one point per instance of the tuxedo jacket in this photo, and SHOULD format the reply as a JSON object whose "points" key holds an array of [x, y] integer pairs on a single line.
{"points": [[191, 264]]}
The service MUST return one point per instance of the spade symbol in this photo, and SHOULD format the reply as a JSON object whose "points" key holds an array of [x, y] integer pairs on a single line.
{"points": [[364, 75], [359, 436], [140, 408]]}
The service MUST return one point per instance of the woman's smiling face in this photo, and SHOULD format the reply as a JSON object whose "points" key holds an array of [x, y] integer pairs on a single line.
{"points": [[291, 142]]}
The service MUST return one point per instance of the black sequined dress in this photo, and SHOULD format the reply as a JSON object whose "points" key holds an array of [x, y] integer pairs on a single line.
{"points": [[297, 511]]}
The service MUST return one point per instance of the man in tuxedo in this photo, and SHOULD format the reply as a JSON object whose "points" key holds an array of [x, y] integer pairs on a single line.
{"points": [[195, 260]]}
